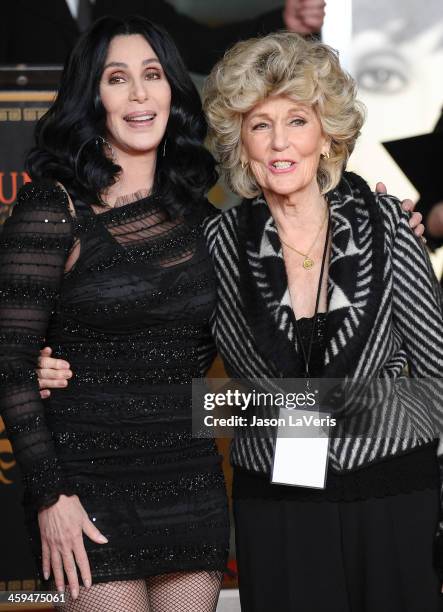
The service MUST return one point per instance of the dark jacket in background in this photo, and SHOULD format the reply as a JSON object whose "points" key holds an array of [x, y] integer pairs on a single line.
{"points": [[44, 32]]}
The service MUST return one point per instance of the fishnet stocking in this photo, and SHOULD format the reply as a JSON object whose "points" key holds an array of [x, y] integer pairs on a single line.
{"points": [[124, 596], [178, 592], [184, 592]]}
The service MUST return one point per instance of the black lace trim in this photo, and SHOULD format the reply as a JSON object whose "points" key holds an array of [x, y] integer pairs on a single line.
{"points": [[23, 292], [32, 423], [163, 333], [44, 485], [128, 407], [17, 377], [20, 338], [413, 471], [184, 238], [150, 460], [103, 309], [86, 376], [152, 490], [168, 352], [102, 440], [109, 563], [38, 243]]}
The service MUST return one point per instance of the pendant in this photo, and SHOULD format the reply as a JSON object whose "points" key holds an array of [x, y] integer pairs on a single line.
{"points": [[308, 263]]}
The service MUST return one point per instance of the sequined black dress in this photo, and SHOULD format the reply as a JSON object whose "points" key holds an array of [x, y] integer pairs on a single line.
{"points": [[125, 296]]}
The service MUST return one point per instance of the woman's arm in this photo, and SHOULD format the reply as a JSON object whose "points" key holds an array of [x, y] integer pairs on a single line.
{"points": [[34, 246]]}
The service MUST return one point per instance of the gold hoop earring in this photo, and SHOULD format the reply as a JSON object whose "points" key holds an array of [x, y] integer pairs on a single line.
{"points": [[244, 164], [325, 155]]}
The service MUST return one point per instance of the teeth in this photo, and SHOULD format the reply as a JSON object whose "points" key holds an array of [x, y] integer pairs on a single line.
{"points": [[141, 118], [282, 164]]}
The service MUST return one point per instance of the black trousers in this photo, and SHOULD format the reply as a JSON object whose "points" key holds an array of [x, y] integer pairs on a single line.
{"points": [[364, 556]]}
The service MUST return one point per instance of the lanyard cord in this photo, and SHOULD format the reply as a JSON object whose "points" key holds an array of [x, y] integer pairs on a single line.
{"points": [[307, 356]]}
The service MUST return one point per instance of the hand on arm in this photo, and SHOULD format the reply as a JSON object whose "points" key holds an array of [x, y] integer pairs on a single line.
{"points": [[304, 16], [52, 373], [415, 220]]}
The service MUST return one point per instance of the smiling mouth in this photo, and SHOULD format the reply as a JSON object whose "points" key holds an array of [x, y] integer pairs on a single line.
{"points": [[141, 119], [282, 164]]}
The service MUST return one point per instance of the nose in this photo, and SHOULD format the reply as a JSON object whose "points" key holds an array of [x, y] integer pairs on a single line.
{"points": [[279, 137], [138, 91]]}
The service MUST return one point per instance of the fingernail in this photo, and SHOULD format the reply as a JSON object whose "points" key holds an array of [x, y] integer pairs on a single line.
{"points": [[65, 364], [87, 583], [103, 539], [61, 589], [46, 575]]}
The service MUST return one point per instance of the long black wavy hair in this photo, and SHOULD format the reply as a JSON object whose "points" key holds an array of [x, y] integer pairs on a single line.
{"points": [[67, 144]]}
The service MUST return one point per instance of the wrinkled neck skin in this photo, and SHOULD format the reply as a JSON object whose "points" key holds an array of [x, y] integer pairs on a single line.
{"points": [[301, 210]]}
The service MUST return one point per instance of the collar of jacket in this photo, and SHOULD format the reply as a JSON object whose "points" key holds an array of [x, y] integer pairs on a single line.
{"points": [[355, 280]]}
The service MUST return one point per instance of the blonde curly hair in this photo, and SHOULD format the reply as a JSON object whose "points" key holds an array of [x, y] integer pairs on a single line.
{"points": [[281, 64]]}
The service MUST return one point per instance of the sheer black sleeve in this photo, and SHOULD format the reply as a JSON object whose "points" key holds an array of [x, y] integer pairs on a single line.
{"points": [[34, 245]]}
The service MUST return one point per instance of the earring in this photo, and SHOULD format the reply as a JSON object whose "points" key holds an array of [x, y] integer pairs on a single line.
{"points": [[244, 164], [325, 155], [164, 147], [100, 141]]}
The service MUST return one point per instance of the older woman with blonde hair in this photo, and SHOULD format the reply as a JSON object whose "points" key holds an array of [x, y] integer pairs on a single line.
{"points": [[319, 277]]}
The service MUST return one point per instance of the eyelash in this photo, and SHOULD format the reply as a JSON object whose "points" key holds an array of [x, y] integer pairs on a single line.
{"points": [[113, 80], [298, 121]]}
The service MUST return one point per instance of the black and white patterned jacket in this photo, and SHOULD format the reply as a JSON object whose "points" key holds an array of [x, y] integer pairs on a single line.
{"points": [[384, 314]]}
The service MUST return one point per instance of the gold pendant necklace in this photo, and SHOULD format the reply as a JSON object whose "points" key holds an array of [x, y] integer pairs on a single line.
{"points": [[308, 262]]}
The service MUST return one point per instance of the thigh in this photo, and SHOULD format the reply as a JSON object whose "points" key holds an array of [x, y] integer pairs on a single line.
{"points": [[127, 595], [184, 591]]}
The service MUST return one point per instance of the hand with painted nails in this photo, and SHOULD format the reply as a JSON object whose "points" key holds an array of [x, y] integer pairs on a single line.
{"points": [[62, 526]]}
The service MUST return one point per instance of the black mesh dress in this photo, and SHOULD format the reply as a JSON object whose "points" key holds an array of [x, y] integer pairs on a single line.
{"points": [[125, 296]]}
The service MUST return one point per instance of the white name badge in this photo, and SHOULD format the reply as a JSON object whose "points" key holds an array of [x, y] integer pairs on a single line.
{"points": [[301, 449]]}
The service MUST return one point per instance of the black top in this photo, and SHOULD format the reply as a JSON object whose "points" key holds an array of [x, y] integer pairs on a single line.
{"points": [[125, 296]]}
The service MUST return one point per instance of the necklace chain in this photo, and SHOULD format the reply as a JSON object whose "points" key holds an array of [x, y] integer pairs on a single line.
{"points": [[308, 262]]}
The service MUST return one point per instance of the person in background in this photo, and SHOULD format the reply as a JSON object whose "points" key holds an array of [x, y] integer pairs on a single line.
{"points": [[433, 211], [45, 32]]}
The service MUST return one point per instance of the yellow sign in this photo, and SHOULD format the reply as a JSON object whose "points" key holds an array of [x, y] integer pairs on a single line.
{"points": [[5, 449]]}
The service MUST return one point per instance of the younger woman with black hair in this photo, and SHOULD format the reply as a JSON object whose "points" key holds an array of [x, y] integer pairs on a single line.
{"points": [[104, 259]]}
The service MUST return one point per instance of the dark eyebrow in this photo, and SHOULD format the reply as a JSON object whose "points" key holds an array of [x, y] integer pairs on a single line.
{"points": [[151, 60]]}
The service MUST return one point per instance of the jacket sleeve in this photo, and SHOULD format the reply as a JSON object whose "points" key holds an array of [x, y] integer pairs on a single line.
{"points": [[34, 245], [418, 315]]}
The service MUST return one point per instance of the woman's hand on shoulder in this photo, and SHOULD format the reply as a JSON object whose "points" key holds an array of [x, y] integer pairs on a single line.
{"points": [[415, 221], [52, 373], [61, 527]]}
